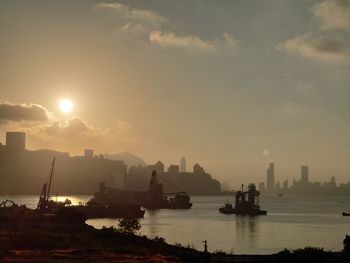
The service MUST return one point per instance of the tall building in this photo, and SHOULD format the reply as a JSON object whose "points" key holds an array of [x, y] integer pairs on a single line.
{"points": [[88, 154], [304, 175], [15, 143], [270, 186], [183, 165]]}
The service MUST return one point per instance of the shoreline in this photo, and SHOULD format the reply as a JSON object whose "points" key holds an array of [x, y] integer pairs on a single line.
{"points": [[21, 241]]}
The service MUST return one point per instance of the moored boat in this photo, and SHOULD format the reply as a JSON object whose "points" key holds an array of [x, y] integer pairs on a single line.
{"points": [[153, 198], [227, 209], [93, 209], [246, 203]]}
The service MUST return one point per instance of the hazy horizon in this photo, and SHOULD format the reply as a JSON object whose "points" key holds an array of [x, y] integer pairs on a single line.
{"points": [[231, 85]]}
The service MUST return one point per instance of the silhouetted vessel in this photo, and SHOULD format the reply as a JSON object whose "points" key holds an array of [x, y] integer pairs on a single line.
{"points": [[153, 198], [346, 213], [227, 209], [180, 201], [243, 205], [92, 209]]}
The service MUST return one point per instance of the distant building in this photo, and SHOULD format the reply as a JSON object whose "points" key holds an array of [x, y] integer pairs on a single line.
{"points": [[173, 170], [197, 169], [158, 167], [331, 185], [333, 181], [15, 143], [270, 174], [88, 154], [197, 182], [285, 184], [304, 175], [183, 164]]}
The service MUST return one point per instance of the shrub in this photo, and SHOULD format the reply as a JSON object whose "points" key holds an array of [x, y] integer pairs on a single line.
{"points": [[129, 225]]}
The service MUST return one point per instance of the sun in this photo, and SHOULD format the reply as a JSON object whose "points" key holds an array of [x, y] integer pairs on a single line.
{"points": [[66, 105]]}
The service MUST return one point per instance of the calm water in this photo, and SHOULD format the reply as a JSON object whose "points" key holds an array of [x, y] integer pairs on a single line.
{"points": [[292, 222]]}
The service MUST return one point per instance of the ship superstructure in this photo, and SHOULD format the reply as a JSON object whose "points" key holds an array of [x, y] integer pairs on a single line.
{"points": [[246, 203]]}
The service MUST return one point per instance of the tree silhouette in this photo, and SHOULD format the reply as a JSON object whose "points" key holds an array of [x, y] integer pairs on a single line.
{"points": [[129, 225]]}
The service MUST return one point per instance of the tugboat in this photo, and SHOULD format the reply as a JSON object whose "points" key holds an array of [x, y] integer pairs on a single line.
{"points": [[243, 205], [227, 209]]}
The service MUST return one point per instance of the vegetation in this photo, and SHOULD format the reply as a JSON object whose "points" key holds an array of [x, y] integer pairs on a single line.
{"points": [[67, 243], [129, 225]]}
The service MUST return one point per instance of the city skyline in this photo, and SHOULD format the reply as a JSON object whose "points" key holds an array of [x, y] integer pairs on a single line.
{"points": [[16, 146], [233, 85]]}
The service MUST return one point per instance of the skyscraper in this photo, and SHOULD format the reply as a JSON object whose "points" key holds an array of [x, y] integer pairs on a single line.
{"points": [[304, 174], [183, 165], [270, 186]]}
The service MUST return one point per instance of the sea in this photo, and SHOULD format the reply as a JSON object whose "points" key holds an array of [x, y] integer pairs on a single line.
{"points": [[292, 222]]}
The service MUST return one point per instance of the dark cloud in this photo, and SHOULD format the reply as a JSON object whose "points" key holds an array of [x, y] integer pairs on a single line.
{"points": [[22, 112], [324, 48]]}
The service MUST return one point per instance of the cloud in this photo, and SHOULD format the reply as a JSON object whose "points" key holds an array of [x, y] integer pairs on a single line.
{"points": [[130, 13], [73, 127], [324, 48], [333, 14], [11, 112], [170, 39], [150, 25]]}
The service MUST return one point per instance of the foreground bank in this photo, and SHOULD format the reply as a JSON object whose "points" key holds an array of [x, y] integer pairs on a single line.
{"points": [[58, 241]]}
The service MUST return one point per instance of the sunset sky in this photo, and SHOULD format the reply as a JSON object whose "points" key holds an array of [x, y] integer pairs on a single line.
{"points": [[229, 84]]}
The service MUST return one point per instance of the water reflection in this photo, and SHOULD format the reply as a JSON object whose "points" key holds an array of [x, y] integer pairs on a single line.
{"points": [[247, 228], [153, 222]]}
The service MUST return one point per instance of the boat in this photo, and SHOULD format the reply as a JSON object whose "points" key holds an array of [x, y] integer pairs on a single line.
{"points": [[181, 200], [153, 198], [110, 211], [227, 209], [92, 209], [246, 203], [280, 194], [346, 213]]}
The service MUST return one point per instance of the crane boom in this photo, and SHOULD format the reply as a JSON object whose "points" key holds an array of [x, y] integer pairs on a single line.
{"points": [[50, 180]]}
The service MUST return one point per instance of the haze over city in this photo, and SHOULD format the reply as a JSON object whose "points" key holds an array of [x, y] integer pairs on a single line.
{"points": [[232, 85]]}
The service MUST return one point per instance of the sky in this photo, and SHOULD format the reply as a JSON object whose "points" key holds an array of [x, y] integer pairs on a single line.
{"points": [[230, 84]]}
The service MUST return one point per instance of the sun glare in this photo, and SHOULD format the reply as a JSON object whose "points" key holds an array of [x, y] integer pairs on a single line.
{"points": [[66, 105]]}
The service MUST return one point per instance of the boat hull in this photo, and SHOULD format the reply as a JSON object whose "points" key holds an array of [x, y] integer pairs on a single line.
{"points": [[254, 212], [116, 211]]}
